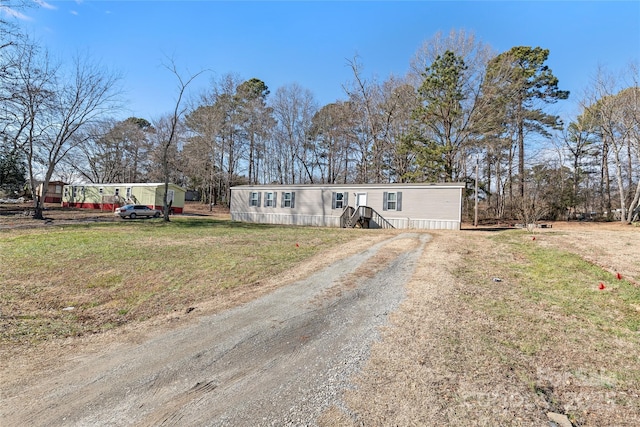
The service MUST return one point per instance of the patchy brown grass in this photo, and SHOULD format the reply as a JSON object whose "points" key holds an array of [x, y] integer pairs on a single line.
{"points": [[20, 215], [466, 350], [70, 281], [462, 350]]}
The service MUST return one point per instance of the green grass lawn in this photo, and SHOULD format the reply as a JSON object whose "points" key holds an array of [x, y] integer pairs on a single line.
{"points": [[129, 271]]}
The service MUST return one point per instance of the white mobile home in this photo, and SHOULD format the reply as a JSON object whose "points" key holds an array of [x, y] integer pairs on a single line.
{"points": [[418, 206]]}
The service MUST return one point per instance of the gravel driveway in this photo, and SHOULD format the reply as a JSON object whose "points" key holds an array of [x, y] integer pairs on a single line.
{"points": [[279, 360]]}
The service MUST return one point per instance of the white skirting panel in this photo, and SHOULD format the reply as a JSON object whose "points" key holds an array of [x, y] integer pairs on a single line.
{"points": [[334, 221], [281, 219], [434, 224], [424, 224]]}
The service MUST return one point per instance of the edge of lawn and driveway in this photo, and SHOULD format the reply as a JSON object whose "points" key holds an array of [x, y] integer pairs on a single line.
{"points": [[77, 280]]}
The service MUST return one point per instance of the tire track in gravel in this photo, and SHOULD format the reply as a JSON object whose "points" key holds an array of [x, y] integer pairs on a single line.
{"points": [[278, 360]]}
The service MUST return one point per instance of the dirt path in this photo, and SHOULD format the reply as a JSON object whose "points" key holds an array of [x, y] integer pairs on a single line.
{"points": [[280, 360]]}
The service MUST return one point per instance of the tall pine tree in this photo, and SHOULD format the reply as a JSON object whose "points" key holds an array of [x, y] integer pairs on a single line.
{"points": [[442, 124], [519, 85]]}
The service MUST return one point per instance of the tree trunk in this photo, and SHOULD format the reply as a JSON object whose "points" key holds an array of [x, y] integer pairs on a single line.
{"points": [[635, 203], [576, 182], [605, 185], [619, 180], [510, 175], [521, 160], [488, 180], [251, 154], [630, 175]]}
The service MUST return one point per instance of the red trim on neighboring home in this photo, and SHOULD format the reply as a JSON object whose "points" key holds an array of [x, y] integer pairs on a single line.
{"points": [[174, 209], [111, 207], [97, 206], [53, 199]]}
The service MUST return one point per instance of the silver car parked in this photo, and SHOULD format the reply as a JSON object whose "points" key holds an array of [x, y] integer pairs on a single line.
{"points": [[133, 211]]}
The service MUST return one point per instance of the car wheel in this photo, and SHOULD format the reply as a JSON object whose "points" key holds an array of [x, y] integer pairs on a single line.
{"points": [[156, 215], [133, 215]]}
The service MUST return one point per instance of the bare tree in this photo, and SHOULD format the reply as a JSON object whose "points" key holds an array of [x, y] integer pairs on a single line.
{"points": [[168, 127], [332, 133], [398, 101], [579, 141], [27, 94], [202, 151], [464, 44], [616, 113], [293, 109], [222, 104], [115, 151], [365, 97], [51, 108], [10, 33]]}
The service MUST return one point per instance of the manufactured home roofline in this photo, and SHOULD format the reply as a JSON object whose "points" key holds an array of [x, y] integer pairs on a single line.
{"points": [[130, 184], [371, 186]]}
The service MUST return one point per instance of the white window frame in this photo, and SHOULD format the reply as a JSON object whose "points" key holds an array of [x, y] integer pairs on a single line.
{"points": [[254, 199], [286, 199], [392, 201], [269, 199]]}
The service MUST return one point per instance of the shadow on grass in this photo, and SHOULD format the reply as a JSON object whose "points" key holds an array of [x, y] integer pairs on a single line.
{"points": [[480, 228], [218, 223]]}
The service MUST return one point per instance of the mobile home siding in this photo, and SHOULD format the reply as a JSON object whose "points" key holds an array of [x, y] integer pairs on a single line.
{"points": [[90, 196], [54, 191], [419, 206]]}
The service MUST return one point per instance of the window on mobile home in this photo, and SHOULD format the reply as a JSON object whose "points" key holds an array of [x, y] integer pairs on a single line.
{"points": [[269, 199], [254, 199], [392, 201], [339, 200], [288, 199]]}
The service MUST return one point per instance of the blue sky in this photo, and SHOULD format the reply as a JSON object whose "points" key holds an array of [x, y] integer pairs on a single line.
{"points": [[310, 42]]}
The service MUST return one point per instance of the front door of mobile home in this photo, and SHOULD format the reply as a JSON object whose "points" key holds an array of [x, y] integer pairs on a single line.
{"points": [[361, 199]]}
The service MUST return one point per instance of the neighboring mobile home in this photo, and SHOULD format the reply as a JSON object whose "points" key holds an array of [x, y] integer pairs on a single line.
{"points": [[110, 196], [54, 191], [420, 206]]}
